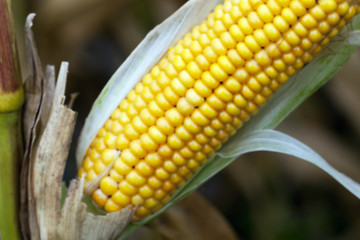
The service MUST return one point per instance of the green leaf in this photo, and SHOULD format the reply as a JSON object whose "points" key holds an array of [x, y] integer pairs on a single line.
{"points": [[259, 140], [275, 141]]}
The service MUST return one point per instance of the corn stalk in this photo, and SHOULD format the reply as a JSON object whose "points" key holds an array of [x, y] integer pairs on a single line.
{"points": [[11, 99]]}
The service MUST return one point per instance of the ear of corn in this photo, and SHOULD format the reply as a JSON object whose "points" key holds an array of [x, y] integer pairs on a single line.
{"points": [[200, 93]]}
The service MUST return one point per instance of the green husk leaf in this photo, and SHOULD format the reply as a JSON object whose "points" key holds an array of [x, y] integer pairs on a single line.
{"points": [[257, 140], [256, 136]]}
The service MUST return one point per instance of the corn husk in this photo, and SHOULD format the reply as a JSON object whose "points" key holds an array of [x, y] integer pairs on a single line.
{"points": [[45, 212], [256, 134]]}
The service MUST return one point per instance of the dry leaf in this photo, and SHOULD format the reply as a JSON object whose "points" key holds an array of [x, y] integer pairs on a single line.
{"points": [[49, 128], [33, 101]]}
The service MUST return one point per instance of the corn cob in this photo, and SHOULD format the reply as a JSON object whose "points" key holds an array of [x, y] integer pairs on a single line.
{"points": [[201, 92]]}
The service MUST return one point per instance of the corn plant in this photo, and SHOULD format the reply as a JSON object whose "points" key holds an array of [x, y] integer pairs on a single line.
{"points": [[204, 87]]}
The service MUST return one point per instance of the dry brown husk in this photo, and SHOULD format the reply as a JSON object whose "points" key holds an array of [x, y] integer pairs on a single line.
{"points": [[48, 129]]}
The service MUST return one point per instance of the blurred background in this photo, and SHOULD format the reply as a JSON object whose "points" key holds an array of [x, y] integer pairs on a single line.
{"points": [[259, 196]]}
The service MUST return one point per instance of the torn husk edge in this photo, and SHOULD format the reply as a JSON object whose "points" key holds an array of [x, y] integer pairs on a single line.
{"points": [[50, 126]]}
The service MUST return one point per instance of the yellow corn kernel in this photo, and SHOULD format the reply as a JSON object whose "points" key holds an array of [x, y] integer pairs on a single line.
{"points": [[88, 164], [199, 118], [165, 151], [201, 138], [144, 169], [178, 159], [111, 206], [99, 166], [153, 159], [89, 175], [99, 197], [226, 64], [201, 89], [194, 146], [122, 168], [193, 98], [108, 185], [146, 191], [183, 134], [161, 174], [197, 96], [175, 142], [137, 200], [148, 143], [120, 198], [116, 176], [244, 51], [235, 58], [186, 152], [209, 80], [245, 26], [202, 61], [170, 167], [191, 126]]}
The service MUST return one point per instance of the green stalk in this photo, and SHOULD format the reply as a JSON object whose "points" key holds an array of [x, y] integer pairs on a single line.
{"points": [[10, 154], [11, 147]]}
